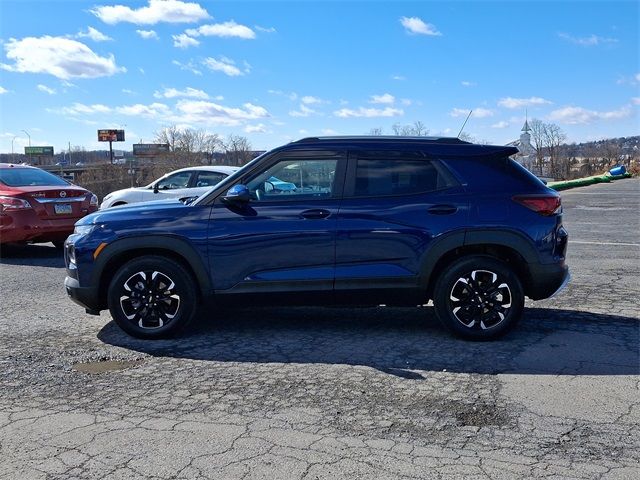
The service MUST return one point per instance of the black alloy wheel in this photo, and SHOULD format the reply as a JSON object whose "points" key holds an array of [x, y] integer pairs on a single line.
{"points": [[479, 298], [152, 297]]}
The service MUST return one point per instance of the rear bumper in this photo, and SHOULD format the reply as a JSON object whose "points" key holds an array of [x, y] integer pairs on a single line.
{"points": [[86, 297], [546, 280], [26, 226]]}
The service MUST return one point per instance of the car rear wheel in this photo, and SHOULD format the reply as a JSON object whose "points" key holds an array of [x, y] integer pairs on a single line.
{"points": [[479, 298], [152, 297]]}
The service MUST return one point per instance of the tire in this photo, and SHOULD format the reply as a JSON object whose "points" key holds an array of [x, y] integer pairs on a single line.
{"points": [[152, 297], [478, 298]]}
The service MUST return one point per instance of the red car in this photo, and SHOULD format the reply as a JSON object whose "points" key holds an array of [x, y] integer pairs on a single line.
{"points": [[38, 206]]}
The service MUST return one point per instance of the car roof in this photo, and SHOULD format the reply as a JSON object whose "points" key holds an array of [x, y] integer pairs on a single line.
{"points": [[443, 146], [14, 165], [210, 168]]}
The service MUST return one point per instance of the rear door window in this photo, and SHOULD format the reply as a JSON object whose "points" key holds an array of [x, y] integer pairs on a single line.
{"points": [[375, 177]]}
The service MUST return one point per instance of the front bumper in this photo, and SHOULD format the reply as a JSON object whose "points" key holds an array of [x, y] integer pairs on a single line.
{"points": [[86, 297]]}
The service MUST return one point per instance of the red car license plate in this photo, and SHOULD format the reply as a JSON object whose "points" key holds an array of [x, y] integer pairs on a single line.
{"points": [[62, 208]]}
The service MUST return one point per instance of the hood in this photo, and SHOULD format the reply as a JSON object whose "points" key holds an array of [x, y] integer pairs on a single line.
{"points": [[156, 208]]}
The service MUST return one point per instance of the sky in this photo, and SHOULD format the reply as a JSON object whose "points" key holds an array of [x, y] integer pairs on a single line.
{"points": [[279, 71]]}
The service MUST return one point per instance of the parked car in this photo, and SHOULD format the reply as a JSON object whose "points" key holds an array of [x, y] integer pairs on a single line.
{"points": [[186, 182], [372, 220], [38, 206]]}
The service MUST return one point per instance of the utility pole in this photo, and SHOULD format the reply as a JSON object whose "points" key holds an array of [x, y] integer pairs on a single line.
{"points": [[30, 158]]}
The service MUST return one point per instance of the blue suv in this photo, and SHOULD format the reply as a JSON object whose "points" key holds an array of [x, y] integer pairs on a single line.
{"points": [[334, 220]]}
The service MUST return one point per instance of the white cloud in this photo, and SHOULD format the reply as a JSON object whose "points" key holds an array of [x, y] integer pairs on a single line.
{"points": [[184, 41], [187, 92], [635, 100], [128, 91], [189, 66], [154, 110], [466, 83], [510, 102], [328, 131], [94, 35], [309, 100], [578, 115], [501, 124], [291, 96], [589, 41], [415, 26], [264, 29], [148, 34], [477, 112], [200, 111], [45, 89], [303, 112], [406, 102], [260, 128], [224, 65], [398, 77], [82, 109], [58, 56], [368, 112], [385, 98], [224, 30], [3, 90], [169, 11]]}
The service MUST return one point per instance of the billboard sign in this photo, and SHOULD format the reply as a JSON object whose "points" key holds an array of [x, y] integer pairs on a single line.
{"points": [[150, 149], [111, 135], [39, 151]]}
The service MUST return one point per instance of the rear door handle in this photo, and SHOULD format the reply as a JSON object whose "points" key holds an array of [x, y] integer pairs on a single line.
{"points": [[442, 209], [315, 214]]}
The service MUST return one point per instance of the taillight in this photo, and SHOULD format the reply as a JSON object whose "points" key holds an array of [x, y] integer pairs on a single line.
{"points": [[12, 203], [93, 201], [543, 204]]}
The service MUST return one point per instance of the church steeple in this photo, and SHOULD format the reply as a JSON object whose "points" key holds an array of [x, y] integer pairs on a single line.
{"points": [[526, 128]]}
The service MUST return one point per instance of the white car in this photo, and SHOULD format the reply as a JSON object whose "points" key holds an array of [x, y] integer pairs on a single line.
{"points": [[186, 182]]}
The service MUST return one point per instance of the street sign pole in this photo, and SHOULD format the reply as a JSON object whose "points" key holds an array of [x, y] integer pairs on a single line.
{"points": [[111, 151]]}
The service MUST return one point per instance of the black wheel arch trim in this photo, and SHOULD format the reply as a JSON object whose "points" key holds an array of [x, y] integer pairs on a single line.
{"points": [[176, 246], [470, 237]]}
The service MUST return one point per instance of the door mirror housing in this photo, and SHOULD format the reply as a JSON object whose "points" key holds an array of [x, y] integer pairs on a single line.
{"points": [[155, 188], [237, 194]]}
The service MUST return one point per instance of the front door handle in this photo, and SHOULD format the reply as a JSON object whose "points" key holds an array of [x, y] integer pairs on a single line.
{"points": [[315, 214], [442, 209]]}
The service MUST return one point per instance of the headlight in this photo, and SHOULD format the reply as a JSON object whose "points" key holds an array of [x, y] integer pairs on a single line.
{"points": [[83, 229], [94, 201]]}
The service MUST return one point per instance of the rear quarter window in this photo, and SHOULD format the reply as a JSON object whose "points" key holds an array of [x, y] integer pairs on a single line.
{"points": [[494, 174]]}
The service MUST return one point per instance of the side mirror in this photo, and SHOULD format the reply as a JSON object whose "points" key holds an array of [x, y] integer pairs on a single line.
{"points": [[237, 194], [155, 188]]}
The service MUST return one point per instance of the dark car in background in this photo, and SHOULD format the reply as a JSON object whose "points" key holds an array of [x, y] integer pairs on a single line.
{"points": [[365, 221], [38, 206]]}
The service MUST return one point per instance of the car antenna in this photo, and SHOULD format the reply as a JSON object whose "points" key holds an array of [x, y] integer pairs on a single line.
{"points": [[465, 122]]}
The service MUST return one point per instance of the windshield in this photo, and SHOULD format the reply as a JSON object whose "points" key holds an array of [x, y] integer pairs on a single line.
{"points": [[29, 177]]}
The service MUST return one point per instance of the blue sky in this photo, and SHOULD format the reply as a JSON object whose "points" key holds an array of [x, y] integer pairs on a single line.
{"points": [[278, 71]]}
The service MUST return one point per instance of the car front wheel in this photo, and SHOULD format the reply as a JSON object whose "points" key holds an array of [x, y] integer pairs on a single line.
{"points": [[479, 298], [152, 297]]}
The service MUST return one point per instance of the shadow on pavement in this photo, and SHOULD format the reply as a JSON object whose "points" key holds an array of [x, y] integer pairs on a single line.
{"points": [[404, 342], [38, 255]]}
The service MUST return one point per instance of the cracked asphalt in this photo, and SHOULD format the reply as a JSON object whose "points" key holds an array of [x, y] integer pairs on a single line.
{"points": [[324, 393]]}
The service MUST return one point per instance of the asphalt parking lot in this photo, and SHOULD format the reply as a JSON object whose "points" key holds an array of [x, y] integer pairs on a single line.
{"points": [[324, 393]]}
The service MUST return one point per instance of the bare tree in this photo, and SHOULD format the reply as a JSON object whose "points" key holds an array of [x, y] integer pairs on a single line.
{"points": [[537, 136], [416, 129], [554, 137], [237, 150], [376, 132]]}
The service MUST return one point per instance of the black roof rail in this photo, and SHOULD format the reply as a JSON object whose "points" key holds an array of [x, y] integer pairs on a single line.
{"points": [[382, 138]]}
